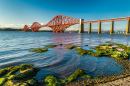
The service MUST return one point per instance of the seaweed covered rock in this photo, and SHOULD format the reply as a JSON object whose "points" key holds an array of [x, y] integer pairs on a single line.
{"points": [[40, 50], [81, 51], [15, 83], [119, 55], [24, 67], [111, 49], [50, 46], [125, 47], [118, 51], [2, 81], [4, 71], [18, 76], [70, 47], [8, 71], [21, 83], [32, 82], [87, 52], [96, 77], [78, 73], [60, 44], [52, 81], [27, 74]]}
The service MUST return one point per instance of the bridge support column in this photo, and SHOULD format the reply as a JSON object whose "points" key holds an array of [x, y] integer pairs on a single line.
{"points": [[112, 27], [89, 31], [128, 27], [81, 26], [99, 29]]}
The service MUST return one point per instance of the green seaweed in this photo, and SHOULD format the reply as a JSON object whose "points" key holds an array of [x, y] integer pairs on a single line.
{"points": [[8, 76], [87, 52], [60, 44], [125, 47], [27, 74], [96, 77], [12, 71], [77, 73], [119, 55], [25, 67], [50, 46], [81, 51], [8, 71], [69, 47], [32, 82], [40, 50], [4, 71], [107, 50], [15, 83], [2, 81], [54, 81]]}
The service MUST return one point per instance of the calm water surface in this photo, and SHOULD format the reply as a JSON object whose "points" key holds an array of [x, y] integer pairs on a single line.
{"points": [[58, 61]]}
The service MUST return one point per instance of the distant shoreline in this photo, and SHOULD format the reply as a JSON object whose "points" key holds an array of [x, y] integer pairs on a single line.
{"points": [[29, 30]]}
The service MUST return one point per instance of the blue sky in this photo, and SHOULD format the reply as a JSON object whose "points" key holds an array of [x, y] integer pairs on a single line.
{"points": [[20, 12]]}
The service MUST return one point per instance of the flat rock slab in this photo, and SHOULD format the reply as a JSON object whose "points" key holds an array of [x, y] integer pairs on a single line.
{"points": [[119, 82]]}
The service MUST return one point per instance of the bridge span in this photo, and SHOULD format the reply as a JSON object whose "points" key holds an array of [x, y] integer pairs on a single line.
{"points": [[60, 23]]}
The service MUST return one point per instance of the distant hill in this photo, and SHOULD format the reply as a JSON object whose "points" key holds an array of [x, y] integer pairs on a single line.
{"points": [[9, 29], [29, 30]]}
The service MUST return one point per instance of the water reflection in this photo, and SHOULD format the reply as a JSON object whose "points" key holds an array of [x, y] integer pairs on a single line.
{"points": [[89, 39], [80, 40], [127, 39], [99, 39], [111, 38]]}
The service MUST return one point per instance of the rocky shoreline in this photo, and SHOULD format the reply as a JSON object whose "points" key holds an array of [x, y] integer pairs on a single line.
{"points": [[24, 75], [105, 79]]}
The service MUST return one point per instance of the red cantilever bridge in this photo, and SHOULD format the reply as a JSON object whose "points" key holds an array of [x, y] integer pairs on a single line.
{"points": [[60, 23]]}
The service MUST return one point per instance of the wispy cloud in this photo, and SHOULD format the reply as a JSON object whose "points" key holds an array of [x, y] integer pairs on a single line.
{"points": [[15, 25], [12, 26]]}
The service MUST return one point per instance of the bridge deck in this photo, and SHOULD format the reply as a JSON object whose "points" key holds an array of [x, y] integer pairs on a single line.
{"points": [[107, 20]]}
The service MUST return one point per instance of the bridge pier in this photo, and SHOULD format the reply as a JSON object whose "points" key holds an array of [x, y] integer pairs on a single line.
{"points": [[89, 31], [81, 26], [128, 27], [112, 27], [99, 29]]}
